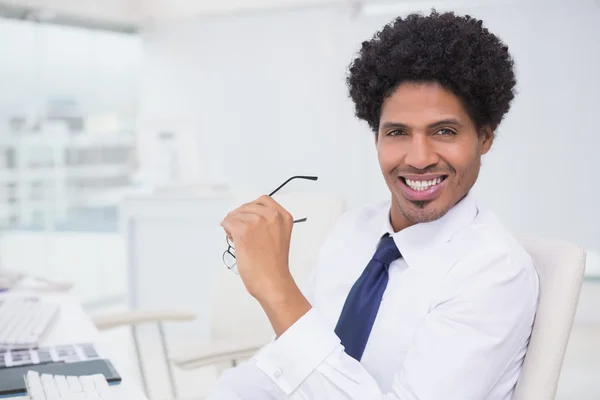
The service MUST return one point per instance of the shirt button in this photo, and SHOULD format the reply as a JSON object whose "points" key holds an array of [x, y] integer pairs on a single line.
{"points": [[277, 373]]}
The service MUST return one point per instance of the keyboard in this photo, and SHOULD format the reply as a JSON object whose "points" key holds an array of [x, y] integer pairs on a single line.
{"points": [[63, 353], [61, 387], [24, 322]]}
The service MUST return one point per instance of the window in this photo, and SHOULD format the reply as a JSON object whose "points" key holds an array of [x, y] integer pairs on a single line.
{"points": [[39, 157], [116, 155], [67, 107], [13, 221], [37, 191], [11, 192], [10, 158]]}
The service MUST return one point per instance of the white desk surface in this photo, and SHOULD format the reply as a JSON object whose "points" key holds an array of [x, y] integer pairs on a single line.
{"points": [[74, 326]]}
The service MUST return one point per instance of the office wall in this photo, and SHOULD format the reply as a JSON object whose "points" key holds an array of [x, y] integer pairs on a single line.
{"points": [[261, 96]]}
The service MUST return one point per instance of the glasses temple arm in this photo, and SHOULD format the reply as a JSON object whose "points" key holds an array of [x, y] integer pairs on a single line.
{"points": [[311, 178]]}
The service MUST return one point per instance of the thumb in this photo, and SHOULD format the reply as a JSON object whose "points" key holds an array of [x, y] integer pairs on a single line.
{"points": [[224, 226]]}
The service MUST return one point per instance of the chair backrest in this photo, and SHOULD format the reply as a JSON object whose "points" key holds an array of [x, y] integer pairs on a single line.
{"points": [[235, 314], [560, 267]]}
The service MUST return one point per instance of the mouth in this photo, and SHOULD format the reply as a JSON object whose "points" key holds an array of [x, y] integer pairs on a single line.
{"points": [[421, 188]]}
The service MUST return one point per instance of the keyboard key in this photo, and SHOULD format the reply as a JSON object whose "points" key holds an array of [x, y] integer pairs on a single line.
{"points": [[74, 384], [23, 322], [88, 383], [34, 385], [76, 353], [62, 385], [89, 351], [57, 387]]}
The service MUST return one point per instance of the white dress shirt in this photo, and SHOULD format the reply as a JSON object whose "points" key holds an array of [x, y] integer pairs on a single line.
{"points": [[454, 322]]}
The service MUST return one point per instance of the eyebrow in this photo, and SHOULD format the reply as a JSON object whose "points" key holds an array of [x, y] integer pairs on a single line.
{"points": [[400, 125]]}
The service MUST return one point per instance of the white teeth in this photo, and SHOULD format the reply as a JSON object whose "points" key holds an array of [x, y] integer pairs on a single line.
{"points": [[422, 185]]}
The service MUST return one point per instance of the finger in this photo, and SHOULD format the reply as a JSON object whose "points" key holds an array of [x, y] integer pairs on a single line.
{"points": [[248, 217], [237, 223], [267, 201], [262, 210], [245, 208], [271, 203], [230, 225]]}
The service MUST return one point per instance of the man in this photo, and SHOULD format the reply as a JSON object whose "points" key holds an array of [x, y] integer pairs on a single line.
{"points": [[424, 297]]}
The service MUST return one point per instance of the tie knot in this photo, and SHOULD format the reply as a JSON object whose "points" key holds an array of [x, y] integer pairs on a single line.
{"points": [[387, 252]]}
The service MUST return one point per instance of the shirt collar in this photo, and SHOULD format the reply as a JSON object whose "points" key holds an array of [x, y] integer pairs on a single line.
{"points": [[420, 239]]}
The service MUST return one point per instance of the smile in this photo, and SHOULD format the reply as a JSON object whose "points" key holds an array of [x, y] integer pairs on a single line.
{"points": [[423, 185], [422, 188]]}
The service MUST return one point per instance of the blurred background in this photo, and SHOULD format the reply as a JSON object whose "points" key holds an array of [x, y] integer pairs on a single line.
{"points": [[129, 128]]}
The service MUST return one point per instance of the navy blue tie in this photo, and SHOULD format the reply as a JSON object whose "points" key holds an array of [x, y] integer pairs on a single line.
{"points": [[362, 304]]}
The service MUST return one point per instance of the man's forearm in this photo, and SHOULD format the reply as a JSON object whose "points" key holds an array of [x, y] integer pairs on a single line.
{"points": [[284, 305]]}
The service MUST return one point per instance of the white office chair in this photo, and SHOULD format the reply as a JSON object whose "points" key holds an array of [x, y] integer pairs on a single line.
{"points": [[560, 266], [134, 318], [239, 326]]}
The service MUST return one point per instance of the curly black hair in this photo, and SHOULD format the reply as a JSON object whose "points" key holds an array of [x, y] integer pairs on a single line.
{"points": [[457, 52]]}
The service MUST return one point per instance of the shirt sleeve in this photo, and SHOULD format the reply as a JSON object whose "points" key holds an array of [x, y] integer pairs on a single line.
{"points": [[246, 381], [477, 329]]}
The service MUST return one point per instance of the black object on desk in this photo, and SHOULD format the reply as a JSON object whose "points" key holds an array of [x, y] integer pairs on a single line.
{"points": [[12, 380]]}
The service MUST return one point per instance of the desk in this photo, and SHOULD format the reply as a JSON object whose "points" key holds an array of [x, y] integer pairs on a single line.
{"points": [[74, 326]]}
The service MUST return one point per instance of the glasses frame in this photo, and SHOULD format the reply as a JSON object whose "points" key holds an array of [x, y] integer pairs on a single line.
{"points": [[231, 250]]}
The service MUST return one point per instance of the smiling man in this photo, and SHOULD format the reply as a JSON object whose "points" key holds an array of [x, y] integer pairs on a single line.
{"points": [[422, 297]]}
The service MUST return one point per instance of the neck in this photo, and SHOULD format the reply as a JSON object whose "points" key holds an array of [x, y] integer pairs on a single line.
{"points": [[398, 220]]}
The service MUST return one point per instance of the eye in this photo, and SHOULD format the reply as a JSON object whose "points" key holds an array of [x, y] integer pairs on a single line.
{"points": [[446, 132], [395, 132]]}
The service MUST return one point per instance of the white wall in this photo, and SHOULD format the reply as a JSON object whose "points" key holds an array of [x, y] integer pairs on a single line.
{"points": [[263, 96]]}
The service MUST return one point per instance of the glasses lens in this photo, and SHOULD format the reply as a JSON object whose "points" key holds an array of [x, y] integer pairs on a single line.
{"points": [[230, 262]]}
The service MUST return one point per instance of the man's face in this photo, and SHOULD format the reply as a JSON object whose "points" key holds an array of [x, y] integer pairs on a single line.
{"points": [[429, 151]]}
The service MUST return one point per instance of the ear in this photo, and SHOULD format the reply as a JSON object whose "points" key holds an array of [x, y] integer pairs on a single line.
{"points": [[486, 139]]}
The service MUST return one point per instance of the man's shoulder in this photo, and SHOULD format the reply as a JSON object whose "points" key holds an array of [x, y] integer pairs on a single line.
{"points": [[487, 242], [490, 233]]}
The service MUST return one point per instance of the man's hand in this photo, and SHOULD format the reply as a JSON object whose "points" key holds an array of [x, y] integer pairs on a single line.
{"points": [[261, 232]]}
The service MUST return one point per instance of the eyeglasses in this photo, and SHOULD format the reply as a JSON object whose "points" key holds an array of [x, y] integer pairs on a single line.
{"points": [[229, 254]]}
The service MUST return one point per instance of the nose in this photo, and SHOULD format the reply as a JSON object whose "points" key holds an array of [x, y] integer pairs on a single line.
{"points": [[421, 153]]}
